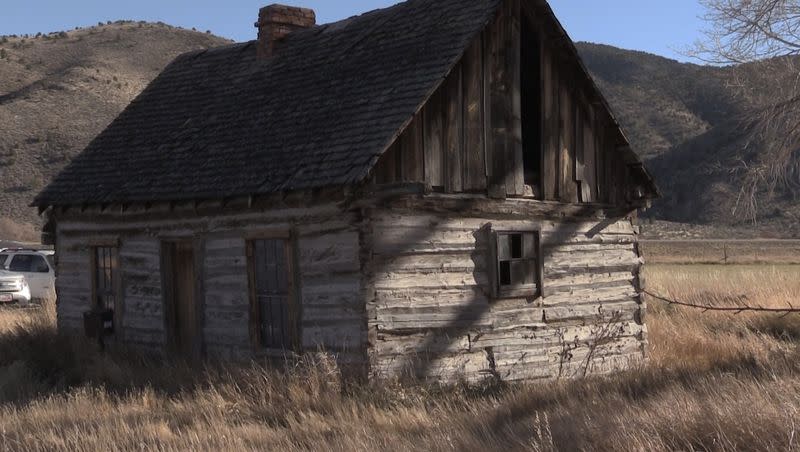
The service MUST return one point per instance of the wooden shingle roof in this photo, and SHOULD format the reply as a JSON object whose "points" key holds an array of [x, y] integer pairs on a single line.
{"points": [[220, 123]]}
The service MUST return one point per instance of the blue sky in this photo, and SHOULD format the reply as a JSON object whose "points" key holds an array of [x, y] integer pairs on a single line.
{"points": [[656, 26]]}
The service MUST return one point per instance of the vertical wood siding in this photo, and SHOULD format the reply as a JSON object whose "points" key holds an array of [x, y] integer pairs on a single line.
{"points": [[471, 127]]}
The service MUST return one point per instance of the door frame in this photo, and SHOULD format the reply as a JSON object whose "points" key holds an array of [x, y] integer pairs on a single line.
{"points": [[167, 254]]}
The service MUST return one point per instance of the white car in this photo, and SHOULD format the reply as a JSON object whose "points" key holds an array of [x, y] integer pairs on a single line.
{"points": [[14, 289], [36, 266]]}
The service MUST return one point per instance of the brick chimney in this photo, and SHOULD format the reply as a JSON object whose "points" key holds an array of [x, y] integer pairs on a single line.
{"points": [[277, 21]]}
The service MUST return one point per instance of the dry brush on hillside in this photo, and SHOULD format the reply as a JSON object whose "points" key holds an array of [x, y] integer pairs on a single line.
{"points": [[59, 90]]}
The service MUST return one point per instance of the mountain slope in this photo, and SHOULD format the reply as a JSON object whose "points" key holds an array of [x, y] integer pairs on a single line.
{"points": [[695, 133], [660, 102], [58, 91]]}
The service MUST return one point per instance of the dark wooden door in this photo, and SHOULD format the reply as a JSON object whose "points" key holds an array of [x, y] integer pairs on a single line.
{"points": [[181, 303]]}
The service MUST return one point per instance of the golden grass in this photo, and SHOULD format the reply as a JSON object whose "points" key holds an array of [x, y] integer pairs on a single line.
{"points": [[701, 251], [13, 230], [714, 382]]}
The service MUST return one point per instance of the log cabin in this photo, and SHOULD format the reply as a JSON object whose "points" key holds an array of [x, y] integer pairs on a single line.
{"points": [[435, 189]]}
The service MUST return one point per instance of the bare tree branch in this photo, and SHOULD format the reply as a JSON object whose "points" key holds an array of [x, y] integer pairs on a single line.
{"points": [[758, 43], [735, 309]]}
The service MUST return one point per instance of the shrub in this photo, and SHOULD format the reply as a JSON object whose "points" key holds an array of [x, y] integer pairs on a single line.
{"points": [[8, 157]]}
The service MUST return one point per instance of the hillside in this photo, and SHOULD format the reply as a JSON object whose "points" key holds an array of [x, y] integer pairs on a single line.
{"points": [[692, 130], [58, 91], [660, 102]]}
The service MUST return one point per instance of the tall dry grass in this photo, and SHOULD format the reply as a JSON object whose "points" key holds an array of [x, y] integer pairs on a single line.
{"points": [[714, 382], [19, 231]]}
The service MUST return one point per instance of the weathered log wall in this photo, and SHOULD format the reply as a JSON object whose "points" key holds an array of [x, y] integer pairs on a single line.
{"points": [[431, 313], [328, 271]]}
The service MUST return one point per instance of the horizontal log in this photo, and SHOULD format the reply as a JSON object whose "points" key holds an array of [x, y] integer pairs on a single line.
{"points": [[328, 253], [592, 313], [579, 248], [346, 337], [228, 280], [579, 278], [345, 223], [430, 342], [342, 290], [222, 298], [133, 223], [429, 263], [390, 219], [443, 321], [529, 336], [333, 314], [429, 298], [482, 206], [73, 286], [138, 320], [143, 305], [447, 369], [433, 281]]}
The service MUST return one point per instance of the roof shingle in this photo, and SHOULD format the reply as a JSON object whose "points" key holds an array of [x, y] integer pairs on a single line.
{"points": [[220, 123]]}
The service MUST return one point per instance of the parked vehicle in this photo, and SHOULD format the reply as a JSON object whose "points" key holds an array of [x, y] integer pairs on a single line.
{"points": [[14, 289], [36, 266]]}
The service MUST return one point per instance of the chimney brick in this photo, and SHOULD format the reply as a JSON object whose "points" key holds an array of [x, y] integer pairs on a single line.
{"points": [[277, 21]]}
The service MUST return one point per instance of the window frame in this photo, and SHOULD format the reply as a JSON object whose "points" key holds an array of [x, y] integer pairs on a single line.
{"points": [[293, 305], [530, 291]]}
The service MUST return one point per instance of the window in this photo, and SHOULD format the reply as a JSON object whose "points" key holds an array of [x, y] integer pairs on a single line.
{"points": [[3, 259], [105, 277], [28, 263], [272, 313], [517, 271]]}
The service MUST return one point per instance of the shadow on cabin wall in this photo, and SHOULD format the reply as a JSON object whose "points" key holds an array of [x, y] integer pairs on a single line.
{"points": [[444, 344]]}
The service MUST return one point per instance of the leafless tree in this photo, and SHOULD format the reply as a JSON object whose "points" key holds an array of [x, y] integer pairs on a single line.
{"points": [[759, 43]]}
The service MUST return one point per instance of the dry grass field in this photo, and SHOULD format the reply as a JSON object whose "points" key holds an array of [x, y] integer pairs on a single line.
{"points": [[706, 251], [713, 382]]}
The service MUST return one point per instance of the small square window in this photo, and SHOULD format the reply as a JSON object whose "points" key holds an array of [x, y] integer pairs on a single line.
{"points": [[517, 264]]}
